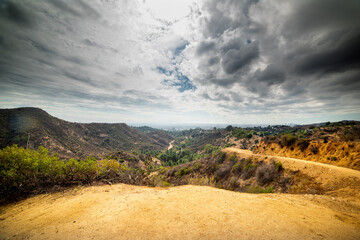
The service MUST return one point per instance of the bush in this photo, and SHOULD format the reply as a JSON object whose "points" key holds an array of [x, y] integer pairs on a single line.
{"points": [[249, 166], [232, 158], [303, 144], [288, 140], [210, 149], [278, 166], [229, 145], [266, 173], [182, 172], [222, 172], [22, 170], [314, 149], [221, 156], [237, 168], [229, 128], [249, 169]]}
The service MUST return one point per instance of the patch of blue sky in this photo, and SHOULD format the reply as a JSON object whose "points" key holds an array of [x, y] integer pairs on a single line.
{"points": [[164, 71], [181, 81], [180, 48], [184, 83]]}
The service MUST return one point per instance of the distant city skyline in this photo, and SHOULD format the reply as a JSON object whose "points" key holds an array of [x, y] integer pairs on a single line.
{"points": [[182, 62]]}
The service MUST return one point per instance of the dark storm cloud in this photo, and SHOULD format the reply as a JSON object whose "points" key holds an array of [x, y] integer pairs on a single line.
{"points": [[17, 13], [48, 53], [219, 20], [309, 16], [76, 8], [271, 75], [222, 82], [243, 56], [339, 55], [236, 56], [213, 61], [205, 47], [307, 50]]}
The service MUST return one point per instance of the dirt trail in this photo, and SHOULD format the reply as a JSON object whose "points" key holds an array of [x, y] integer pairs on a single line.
{"points": [[294, 163], [171, 144], [344, 180], [187, 212]]}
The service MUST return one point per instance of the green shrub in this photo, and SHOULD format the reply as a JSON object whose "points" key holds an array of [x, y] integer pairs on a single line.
{"points": [[198, 165], [232, 158], [22, 170], [211, 149], [229, 145], [303, 144], [278, 165], [221, 156], [182, 172], [237, 168], [249, 166], [288, 140]]}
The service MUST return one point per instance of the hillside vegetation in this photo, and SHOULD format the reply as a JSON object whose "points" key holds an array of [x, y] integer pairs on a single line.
{"points": [[61, 154], [33, 127], [336, 144], [24, 172]]}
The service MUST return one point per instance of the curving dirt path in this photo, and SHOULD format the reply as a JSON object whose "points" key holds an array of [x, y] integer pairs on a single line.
{"points": [[294, 163], [171, 144], [187, 212], [337, 181]]}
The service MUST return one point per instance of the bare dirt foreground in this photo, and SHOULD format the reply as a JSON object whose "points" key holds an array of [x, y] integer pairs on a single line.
{"points": [[187, 212], [190, 212]]}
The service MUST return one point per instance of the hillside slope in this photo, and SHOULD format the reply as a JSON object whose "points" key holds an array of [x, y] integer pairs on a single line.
{"points": [[344, 154], [330, 180], [69, 139]]}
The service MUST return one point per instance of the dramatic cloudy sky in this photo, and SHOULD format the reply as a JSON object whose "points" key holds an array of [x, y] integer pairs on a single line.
{"points": [[182, 61]]}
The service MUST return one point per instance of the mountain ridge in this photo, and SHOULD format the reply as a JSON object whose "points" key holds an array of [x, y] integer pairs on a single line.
{"points": [[34, 127]]}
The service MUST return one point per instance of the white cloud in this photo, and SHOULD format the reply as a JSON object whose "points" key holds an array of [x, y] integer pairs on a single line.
{"points": [[229, 61]]}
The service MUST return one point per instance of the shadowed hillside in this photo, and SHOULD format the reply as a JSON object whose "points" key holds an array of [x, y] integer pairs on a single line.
{"points": [[34, 127]]}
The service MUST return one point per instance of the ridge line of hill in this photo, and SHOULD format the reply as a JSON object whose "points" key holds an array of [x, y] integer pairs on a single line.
{"points": [[33, 127]]}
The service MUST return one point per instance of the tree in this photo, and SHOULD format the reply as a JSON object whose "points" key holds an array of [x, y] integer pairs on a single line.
{"points": [[229, 128]]}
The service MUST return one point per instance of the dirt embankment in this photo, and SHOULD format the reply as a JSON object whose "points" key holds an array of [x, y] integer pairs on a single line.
{"points": [[344, 154], [187, 212], [331, 180]]}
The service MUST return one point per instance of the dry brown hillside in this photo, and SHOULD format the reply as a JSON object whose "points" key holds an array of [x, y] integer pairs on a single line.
{"points": [[344, 154]]}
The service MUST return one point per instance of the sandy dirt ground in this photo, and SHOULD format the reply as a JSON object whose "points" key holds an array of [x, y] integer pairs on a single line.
{"points": [[187, 212]]}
